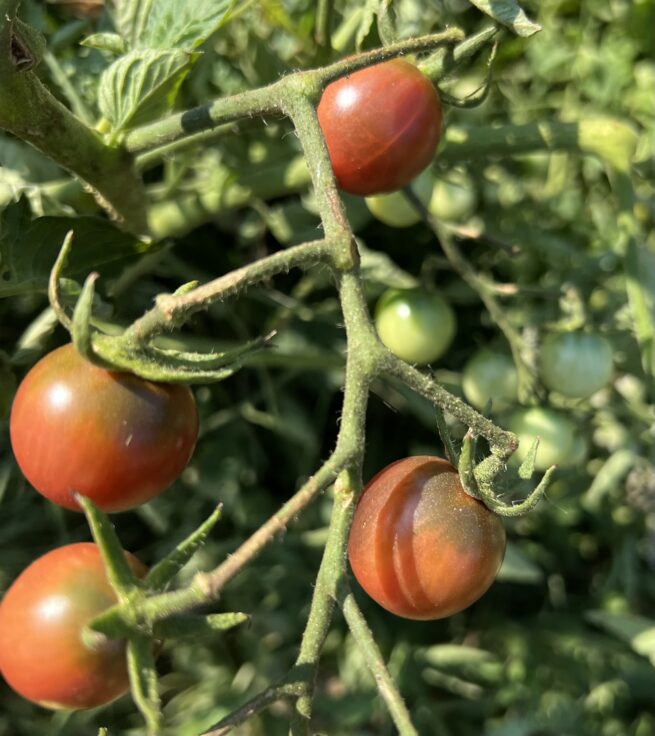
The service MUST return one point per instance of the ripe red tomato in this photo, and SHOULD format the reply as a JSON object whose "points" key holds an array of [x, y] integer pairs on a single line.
{"points": [[42, 654], [420, 546], [114, 437], [381, 125]]}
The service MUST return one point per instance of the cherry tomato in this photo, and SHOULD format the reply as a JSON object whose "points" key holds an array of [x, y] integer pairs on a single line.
{"points": [[395, 210], [416, 325], [490, 375], [453, 198], [42, 653], [556, 432], [575, 364], [419, 545], [381, 125], [114, 437]]}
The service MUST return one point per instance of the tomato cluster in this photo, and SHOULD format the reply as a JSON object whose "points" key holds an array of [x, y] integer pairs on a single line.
{"points": [[420, 546], [119, 440]]}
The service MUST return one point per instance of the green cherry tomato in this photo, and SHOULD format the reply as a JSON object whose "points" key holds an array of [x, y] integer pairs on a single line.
{"points": [[43, 654], [556, 432], [575, 364], [416, 325], [490, 375], [395, 210], [453, 198], [419, 545]]}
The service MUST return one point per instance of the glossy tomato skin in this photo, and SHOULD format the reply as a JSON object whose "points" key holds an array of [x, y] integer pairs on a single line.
{"points": [[575, 364], [42, 655], [114, 437], [419, 545], [381, 125], [415, 324]]}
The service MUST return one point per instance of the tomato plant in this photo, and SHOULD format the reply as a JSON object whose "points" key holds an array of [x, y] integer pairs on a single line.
{"points": [[556, 432], [43, 655], [419, 545], [575, 364], [490, 375], [416, 325], [114, 437], [381, 125], [395, 210]]}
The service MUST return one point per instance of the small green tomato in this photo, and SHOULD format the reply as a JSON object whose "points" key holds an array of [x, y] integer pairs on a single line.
{"points": [[416, 325], [556, 432], [575, 364], [395, 210], [453, 198], [490, 375]]}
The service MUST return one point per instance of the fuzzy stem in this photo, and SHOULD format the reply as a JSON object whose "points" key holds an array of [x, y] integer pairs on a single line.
{"points": [[364, 638], [272, 99], [30, 112], [173, 309]]}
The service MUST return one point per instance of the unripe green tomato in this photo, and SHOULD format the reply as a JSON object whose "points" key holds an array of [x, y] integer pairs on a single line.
{"points": [[395, 210], [575, 364], [416, 325], [453, 198], [556, 432], [490, 375]]}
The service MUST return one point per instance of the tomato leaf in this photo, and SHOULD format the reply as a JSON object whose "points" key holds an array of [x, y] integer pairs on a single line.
{"points": [[142, 85], [110, 43], [170, 24], [28, 249], [510, 14]]}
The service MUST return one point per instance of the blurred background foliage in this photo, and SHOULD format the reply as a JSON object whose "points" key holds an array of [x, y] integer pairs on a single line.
{"points": [[564, 642]]}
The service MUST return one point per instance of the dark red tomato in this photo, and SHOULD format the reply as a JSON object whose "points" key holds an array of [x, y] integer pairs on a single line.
{"points": [[382, 125], [114, 437], [42, 654], [420, 546]]}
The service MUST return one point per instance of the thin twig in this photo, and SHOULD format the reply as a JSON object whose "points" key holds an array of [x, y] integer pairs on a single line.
{"points": [[369, 649]]}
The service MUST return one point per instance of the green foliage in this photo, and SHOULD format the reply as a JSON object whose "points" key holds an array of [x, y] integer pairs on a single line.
{"points": [[563, 643]]}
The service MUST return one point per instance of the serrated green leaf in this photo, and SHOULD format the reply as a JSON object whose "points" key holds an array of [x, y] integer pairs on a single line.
{"points": [[28, 249], [130, 17], [170, 24], [510, 14], [142, 85], [111, 43]]}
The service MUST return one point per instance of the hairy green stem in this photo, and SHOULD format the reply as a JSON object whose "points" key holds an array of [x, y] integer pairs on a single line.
{"points": [[385, 684], [30, 112], [172, 310], [502, 443], [272, 99]]}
